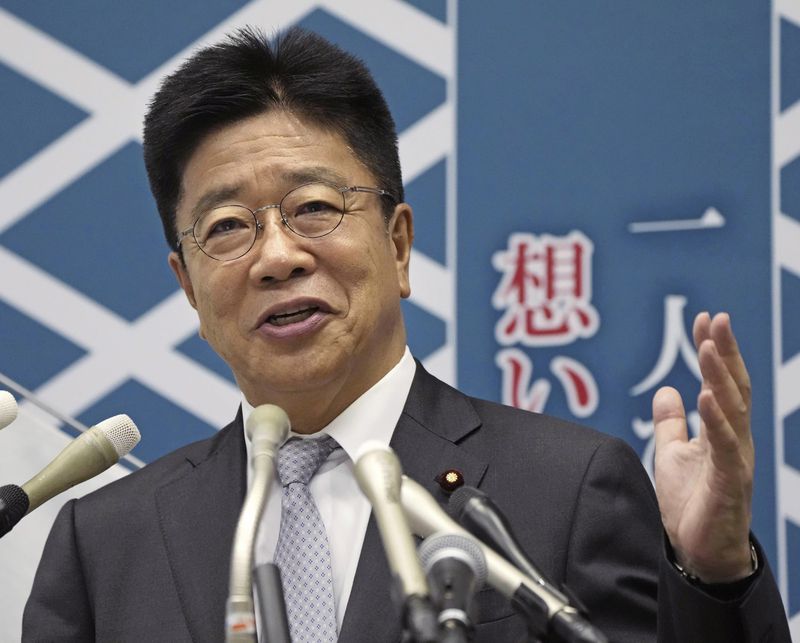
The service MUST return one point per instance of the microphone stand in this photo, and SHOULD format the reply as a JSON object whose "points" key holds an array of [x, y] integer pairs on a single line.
{"points": [[271, 604], [240, 619]]}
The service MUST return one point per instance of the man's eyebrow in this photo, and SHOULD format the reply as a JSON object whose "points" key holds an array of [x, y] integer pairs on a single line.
{"points": [[214, 198], [291, 179]]}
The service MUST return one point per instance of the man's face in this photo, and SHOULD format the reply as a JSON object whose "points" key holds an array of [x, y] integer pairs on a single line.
{"points": [[345, 287]]}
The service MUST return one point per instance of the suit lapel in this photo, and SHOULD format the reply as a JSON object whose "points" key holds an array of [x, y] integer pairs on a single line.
{"points": [[198, 513], [434, 419]]}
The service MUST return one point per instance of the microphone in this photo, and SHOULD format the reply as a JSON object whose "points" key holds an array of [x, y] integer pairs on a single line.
{"points": [[378, 474], [8, 409], [455, 567], [546, 612], [267, 428], [85, 457], [481, 516]]}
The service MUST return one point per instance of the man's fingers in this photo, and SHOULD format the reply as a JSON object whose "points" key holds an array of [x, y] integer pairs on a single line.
{"points": [[724, 389], [721, 332], [727, 449], [701, 331], [669, 417]]}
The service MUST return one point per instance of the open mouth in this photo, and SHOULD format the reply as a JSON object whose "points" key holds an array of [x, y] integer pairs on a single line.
{"points": [[293, 317]]}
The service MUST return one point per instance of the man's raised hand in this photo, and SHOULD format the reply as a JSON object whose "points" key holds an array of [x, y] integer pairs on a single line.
{"points": [[705, 485]]}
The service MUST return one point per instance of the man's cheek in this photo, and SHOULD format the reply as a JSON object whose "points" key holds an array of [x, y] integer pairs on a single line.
{"points": [[207, 316]]}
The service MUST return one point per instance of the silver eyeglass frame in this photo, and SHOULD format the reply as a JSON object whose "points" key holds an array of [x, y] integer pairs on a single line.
{"points": [[260, 226]]}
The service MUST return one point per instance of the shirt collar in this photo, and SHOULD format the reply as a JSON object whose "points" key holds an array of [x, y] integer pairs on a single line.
{"points": [[372, 416]]}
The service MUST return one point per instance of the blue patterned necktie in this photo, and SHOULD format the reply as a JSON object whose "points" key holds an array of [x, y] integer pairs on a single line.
{"points": [[302, 553]]}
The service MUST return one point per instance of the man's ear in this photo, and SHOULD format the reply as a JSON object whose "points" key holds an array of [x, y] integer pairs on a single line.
{"points": [[401, 232], [179, 268]]}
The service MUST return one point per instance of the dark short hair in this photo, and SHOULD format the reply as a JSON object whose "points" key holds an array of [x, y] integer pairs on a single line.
{"points": [[248, 74]]}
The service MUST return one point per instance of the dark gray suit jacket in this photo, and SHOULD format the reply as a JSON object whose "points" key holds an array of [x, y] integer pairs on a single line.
{"points": [[147, 558]]}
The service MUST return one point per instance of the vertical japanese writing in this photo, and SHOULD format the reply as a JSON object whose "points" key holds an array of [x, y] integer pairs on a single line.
{"points": [[545, 294]]}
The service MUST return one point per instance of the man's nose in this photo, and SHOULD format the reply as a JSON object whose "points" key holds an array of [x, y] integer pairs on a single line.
{"points": [[279, 253]]}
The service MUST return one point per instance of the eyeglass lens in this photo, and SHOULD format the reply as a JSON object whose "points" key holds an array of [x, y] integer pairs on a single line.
{"points": [[229, 231]]}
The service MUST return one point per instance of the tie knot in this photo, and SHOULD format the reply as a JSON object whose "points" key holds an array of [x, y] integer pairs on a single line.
{"points": [[298, 460]]}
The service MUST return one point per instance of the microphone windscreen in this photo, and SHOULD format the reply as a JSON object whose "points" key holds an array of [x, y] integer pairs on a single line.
{"points": [[121, 432], [450, 545], [8, 409], [273, 418], [13, 505]]}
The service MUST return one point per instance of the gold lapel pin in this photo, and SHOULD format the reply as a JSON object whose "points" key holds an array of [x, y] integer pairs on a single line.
{"points": [[450, 480]]}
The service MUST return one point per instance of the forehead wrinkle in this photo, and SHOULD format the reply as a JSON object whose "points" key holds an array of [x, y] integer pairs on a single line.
{"points": [[314, 173]]}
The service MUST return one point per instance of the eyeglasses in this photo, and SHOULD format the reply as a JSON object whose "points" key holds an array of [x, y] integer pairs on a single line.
{"points": [[311, 210]]}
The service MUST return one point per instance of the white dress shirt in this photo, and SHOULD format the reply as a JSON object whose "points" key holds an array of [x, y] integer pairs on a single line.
{"points": [[344, 509]]}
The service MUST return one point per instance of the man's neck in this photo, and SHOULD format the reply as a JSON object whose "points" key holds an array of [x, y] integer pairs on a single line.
{"points": [[312, 410]]}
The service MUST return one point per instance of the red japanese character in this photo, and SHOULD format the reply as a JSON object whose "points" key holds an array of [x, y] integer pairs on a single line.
{"points": [[545, 290]]}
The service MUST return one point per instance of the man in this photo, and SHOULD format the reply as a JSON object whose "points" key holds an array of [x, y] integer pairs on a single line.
{"points": [[275, 171]]}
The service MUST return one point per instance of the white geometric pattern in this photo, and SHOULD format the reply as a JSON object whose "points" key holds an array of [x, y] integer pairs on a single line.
{"points": [[785, 256]]}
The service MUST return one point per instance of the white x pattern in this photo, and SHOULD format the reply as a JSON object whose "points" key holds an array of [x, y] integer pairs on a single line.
{"points": [[117, 349], [786, 241]]}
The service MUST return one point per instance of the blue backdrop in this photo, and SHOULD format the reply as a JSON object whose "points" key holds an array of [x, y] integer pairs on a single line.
{"points": [[586, 177]]}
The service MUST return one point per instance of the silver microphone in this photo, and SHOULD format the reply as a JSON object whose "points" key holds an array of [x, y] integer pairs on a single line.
{"points": [[456, 568], [267, 428], [85, 457], [378, 474]]}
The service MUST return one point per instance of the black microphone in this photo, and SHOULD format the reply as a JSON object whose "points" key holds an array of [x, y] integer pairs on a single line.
{"points": [[86, 456], [455, 567], [482, 517], [544, 610]]}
